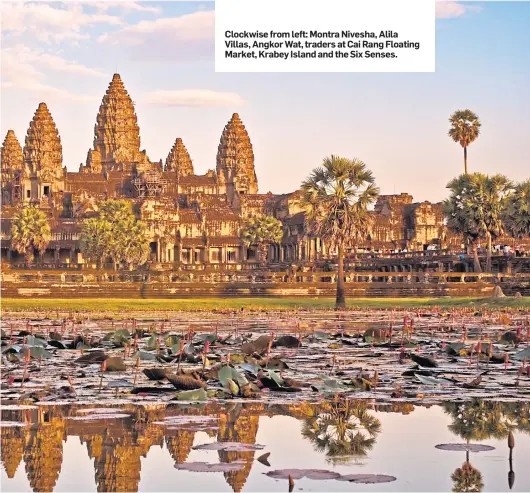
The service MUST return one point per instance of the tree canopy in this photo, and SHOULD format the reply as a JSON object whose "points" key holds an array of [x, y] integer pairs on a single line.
{"points": [[30, 231], [262, 231], [115, 234], [337, 197]]}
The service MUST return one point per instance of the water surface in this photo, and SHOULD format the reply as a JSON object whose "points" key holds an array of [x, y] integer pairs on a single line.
{"points": [[138, 448]]}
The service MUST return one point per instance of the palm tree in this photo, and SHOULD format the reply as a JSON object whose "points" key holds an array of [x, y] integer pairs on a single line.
{"points": [[30, 231], [475, 208], [516, 214], [336, 197], [467, 478], [262, 231], [94, 239], [342, 429], [465, 129]]}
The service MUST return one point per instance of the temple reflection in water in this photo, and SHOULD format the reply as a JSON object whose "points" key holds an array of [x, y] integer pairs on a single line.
{"points": [[335, 428]]}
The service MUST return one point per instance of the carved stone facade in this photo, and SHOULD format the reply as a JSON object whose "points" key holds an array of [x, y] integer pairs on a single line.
{"points": [[193, 221]]}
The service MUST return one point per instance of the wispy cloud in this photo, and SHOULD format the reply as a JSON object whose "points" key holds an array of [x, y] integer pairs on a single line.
{"points": [[187, 37], [127, 7], [192, 97], [446, 9], [20, 72], [51, 23]]}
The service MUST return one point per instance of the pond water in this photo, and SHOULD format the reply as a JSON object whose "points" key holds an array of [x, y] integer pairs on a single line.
{"points": [[184, 447]]}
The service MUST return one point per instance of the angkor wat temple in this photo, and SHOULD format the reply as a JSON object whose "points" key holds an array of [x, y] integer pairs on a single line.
{"points": [[192, 219]]}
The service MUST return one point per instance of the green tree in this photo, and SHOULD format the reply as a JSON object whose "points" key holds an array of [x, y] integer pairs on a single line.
{"points": [[115, 233], [95, 237], [30, 231], [467, 478], [262, 231], [516, 214], [465, 129], [475, 210], [336, 197]]}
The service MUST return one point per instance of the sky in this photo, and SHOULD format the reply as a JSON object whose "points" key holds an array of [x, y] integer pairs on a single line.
{"points": [[65, 54]]}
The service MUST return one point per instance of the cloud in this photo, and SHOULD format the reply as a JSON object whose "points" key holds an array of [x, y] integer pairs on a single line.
{"points": [[187, 37], [126, 6], [192, 97], [49, 23], [20, 54], [446, 9], [19, 72]]}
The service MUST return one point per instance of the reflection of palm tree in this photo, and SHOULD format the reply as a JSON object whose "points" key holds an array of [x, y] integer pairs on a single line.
{"points": [[467, 478], [342, 429], [480, 420]]}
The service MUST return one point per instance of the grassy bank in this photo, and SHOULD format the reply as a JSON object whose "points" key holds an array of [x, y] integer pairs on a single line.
{"points": [[125, 307]]}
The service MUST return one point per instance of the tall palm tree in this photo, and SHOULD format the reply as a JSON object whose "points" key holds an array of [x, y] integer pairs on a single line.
{"points": [[465, 129], [30, 231], [336, 197], [517, 211], [475, 209], [467, 478], [262, 231]]}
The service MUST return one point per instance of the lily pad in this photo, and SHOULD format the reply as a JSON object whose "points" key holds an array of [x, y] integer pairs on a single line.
{"points": [[192, 395], [465, 447], [230, 446], [205, 467], [314, 474], [144, 355], [93, 417], [367, 478]]}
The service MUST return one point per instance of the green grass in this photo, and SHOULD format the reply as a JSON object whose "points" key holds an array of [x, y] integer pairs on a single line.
{"points": [[124, 307]]}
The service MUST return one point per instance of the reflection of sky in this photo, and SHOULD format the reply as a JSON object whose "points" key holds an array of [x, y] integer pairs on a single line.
{"points": [[404, 448]]}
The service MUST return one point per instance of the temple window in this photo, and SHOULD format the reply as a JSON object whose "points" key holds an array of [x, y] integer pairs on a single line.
{"points": [[231, 256], [46, 190], [251, 254], [215, 255], [197, 256], [28, 194]]}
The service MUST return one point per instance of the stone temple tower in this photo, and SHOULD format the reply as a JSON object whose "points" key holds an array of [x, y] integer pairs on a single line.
{"points": [[12, 170], [116, 133], [179, 159], [235, 160], [43, 156]]}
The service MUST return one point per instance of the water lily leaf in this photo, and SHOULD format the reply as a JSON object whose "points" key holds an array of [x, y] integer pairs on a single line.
{"points": [[224, 374], [525, 353], [151, 343], [192, 395], [251, 368], [144, 356], [204, 467], [367, 478], [121, 336], [321, 336], [232, 386], [171, 341], [464, 447], [207, 337], [432, 380], [314, 474], [81, 345], [454, 348], [117, 384], [274, 376], [189, 349], [36, 352], [35, 341], [229, 446]]}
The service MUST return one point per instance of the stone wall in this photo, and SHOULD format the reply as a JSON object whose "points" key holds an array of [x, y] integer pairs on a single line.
{"points": [[137, 290]]}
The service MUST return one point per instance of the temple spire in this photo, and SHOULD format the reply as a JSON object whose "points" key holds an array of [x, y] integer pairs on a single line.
{"points": [[235, 159]]}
